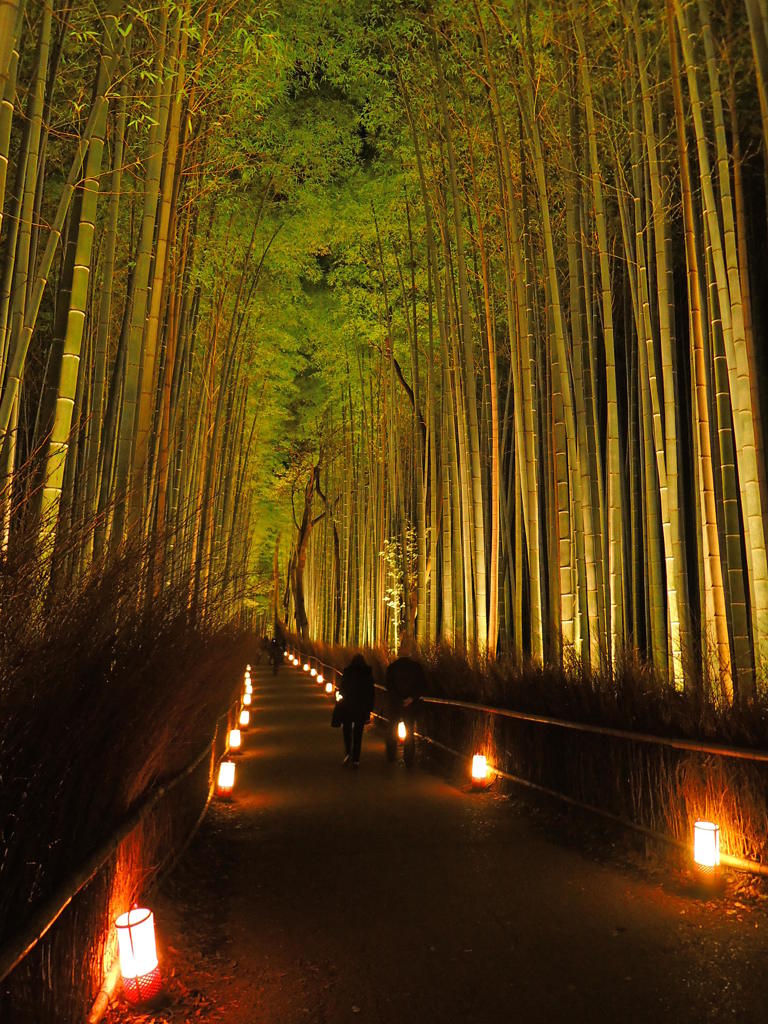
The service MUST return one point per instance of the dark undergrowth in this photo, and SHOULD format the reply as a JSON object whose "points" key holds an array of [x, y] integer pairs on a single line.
{"points": [[103, 697], [655, 787]]}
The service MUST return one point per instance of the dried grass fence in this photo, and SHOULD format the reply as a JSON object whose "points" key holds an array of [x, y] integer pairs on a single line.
{"points": [[627, 749], [63, 959]]}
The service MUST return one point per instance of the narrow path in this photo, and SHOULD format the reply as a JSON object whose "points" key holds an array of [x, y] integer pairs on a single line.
{"points": [[325, 895]]}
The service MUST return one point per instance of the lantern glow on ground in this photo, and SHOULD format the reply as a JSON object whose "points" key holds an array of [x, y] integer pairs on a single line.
{"points": [[706, 844], [402, 732], [226, 779], [479, 771], [235, 739], [245, 718], [247, 698], [138, 954]]}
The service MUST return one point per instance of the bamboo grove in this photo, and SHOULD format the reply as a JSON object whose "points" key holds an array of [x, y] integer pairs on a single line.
{"points": [[402, 319], [127, 409], [550, 436]]}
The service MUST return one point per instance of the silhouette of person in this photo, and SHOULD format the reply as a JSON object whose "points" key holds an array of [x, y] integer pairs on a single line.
{"points": [[406, 682], [358, 697]]}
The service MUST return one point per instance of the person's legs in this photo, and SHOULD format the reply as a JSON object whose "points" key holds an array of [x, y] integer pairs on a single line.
{"points": [[358, 741], [346, 730]]}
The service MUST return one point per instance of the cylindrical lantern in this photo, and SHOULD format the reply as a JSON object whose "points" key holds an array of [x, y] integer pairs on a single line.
{"points": [[226, 780], [306, 666], [235, 740], [479, 771], [329, 687], [706, 844], [247, 699], [245, 718], [402, 732], [138, 954]]}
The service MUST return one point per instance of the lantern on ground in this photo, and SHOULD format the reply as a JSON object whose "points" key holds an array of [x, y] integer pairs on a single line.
{"points": [[402, 732], [480, 773], [706, 845], [138, 955], [306, 666], [245, 718], [329, 687], [226, 780], [247, 698], [234, 741]]}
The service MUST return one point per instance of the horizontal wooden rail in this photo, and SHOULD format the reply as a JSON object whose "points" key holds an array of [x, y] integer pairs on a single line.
{"points": [[15, 949]]}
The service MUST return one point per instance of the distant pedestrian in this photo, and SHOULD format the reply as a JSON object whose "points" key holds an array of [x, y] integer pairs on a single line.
{"points": [[276, 653], [406, 683], [357, 700]]}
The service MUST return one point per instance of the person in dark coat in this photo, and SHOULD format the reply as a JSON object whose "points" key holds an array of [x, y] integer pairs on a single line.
{"points": [[358, 697], [406, 683]]}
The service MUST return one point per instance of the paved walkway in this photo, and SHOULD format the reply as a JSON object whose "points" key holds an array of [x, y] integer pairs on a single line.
{"points": [[324, 895]]}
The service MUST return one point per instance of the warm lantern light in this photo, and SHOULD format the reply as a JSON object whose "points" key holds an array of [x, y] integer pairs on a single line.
{"points": [[248, 688], [329, 687], [235, 740], [320, 677], [313, 673], [479, 771], [247, 698], [247, 668], [338, 695], [402, 732], [245, 718], [226, 779], [138, 954], [706, 844], [306, 666]]}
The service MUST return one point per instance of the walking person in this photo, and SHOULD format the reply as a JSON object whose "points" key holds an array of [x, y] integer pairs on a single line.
{"points": [[406, 682], [357, 700]]}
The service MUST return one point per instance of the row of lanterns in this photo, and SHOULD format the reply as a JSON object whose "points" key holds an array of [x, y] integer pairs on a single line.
{"points": [[225, 782], [137, 948], [706, 834]]}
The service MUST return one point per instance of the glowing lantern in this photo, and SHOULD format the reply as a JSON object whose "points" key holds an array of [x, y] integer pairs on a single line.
{"points": [[338, 695], [247, 668], [245, 718], [313, 673], [479, 771], [320, 677], [226, 780], [329, 687], [235, 740], [706, 844], [247, 698], [138, 954], [248, 688], [306, 666], [402, 732]]}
